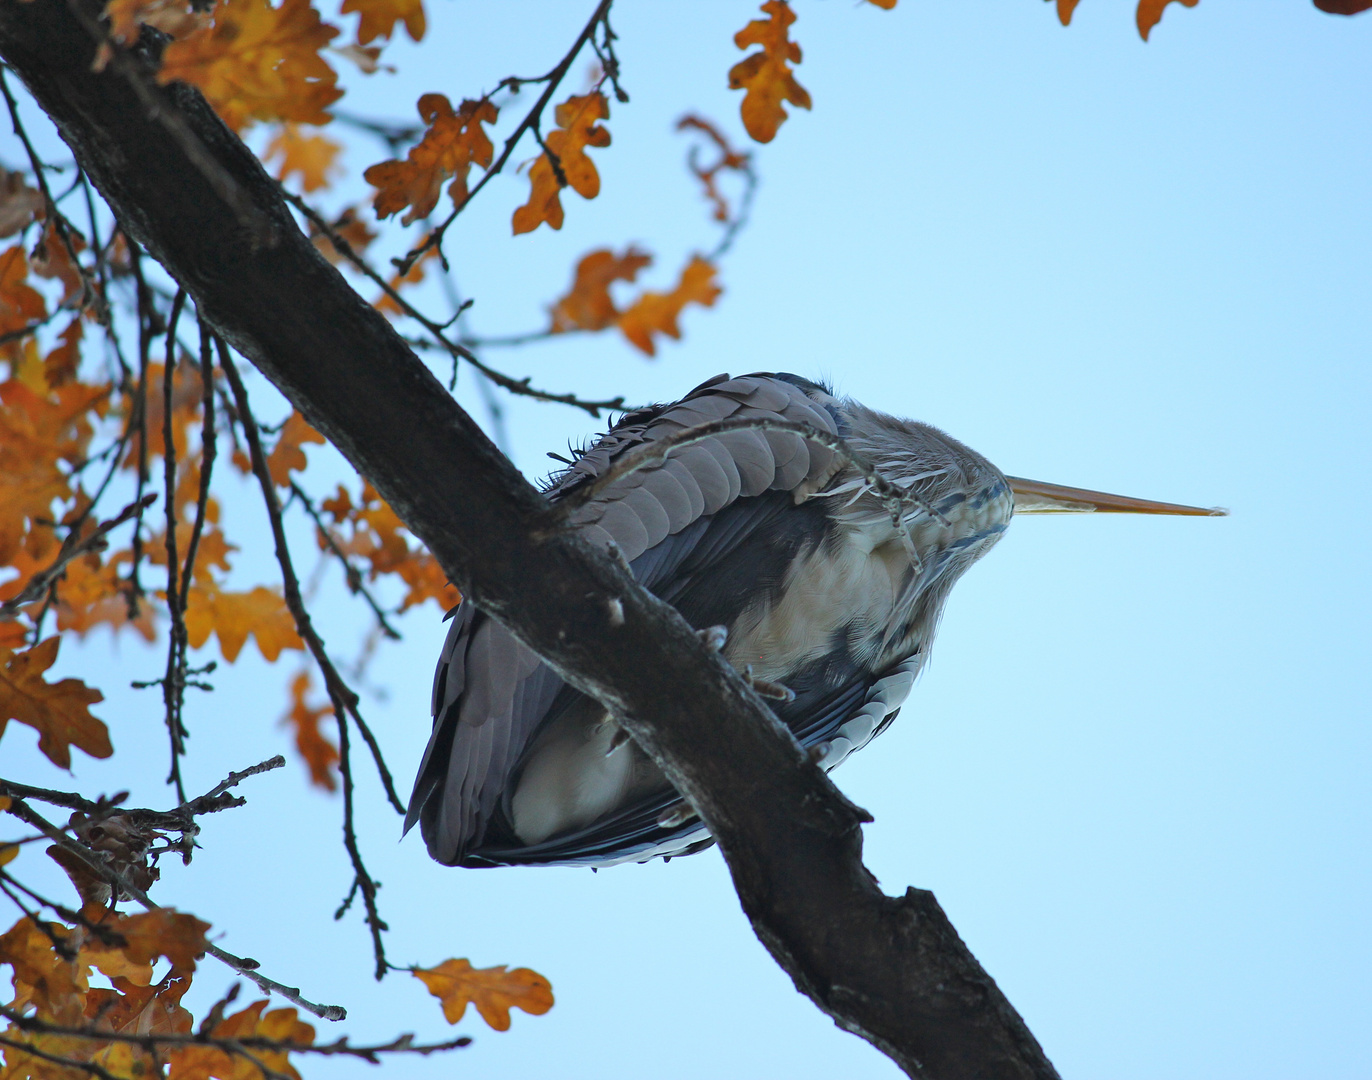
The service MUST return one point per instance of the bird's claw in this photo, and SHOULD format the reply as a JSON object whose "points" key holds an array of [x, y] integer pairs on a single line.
{"points": [[764, 688], [714, 637], [677, 814]]}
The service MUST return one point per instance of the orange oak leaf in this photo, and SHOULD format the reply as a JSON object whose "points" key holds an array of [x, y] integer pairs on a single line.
{"points": [[453, 143], [42, 977], [378, 536], [657, 313], [38, 432], [494, 991], [380, 16], [1149, 13], [885, 5], [58, 711], [1343, 7], [146, 936], [311, 157], [319, 754], [577, 130], [766, 75], [51, 259], [173, 17], [588, 305], [1065, 9], [279, 1025], [188, 401], [253, 61], [234, 616], [59, 366], [287, 455], [20, 303], [19, 203]]}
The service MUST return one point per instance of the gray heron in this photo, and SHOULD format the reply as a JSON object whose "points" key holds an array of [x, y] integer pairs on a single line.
{"points": [[778, 541]]}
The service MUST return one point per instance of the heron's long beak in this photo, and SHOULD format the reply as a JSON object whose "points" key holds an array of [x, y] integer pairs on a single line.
{"points": [[1036, 497]]}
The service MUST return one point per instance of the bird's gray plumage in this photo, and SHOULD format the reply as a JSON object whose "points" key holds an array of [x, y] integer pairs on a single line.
{"points": [[763, 532]]}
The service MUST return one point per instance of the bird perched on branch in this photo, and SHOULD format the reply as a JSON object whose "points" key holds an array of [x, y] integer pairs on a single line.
{"points": [[812, 539]]}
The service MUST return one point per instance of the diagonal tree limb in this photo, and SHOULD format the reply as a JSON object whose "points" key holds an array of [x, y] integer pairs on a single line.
{"points": [[891, 969]]}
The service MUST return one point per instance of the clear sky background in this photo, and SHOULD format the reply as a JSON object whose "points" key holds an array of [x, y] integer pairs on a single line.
{"points": [[1136, 771]]}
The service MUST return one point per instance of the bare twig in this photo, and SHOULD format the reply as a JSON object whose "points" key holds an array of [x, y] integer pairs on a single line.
{"points": [[350, 572], [343, 698], [73, 547], [174, 682], [207, 454], [514, 386]]}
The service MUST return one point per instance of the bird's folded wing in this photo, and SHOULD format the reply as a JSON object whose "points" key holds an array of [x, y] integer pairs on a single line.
{"points": [[491, 693]]}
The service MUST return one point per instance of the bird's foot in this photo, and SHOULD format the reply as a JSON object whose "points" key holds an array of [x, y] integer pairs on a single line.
{"points": [[764, 688], [677, 814], [714, 637]]}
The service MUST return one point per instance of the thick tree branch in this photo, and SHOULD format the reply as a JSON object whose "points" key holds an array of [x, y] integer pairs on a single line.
{"points": [[890, 969]]}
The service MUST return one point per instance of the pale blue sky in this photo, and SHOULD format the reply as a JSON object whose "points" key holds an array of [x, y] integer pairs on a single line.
{"points": [[1136, 772]]}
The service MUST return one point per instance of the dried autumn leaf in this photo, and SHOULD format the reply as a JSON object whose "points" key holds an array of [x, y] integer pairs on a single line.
{"points": [[1343, 7], [311, 157], [1149, 13], [57, 711], [258, 62], [453, 143], [279, 1025], [188, 402], [39, 431], [139, 1007], [378, 536], [235, 616], [20, 303], [1065, 9], [52, 259], [173, 17], [766, 75], [657, 313], [588, 304], [577, 130], [53, 983], [19, 203], [161, 932], [885, 5], [494, 991], [287, 456], [319, 754], [59, 366], [380, 16]]}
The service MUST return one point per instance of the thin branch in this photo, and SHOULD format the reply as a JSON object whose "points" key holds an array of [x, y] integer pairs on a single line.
{"points": [[514, 386], [343, 698], [207, 453], [350, 572], [174, 683], [73, 547]]}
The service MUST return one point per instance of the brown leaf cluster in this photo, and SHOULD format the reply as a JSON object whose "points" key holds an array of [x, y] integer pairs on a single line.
{"points": [[452, 144], [494, 991], [253, 61], [730, 160], [766, 76], [52, 965], [370, 530], [578, 130], [588, 305]]}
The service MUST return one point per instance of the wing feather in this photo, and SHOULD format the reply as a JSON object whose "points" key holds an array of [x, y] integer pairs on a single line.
{"points": [[491, 695]]}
